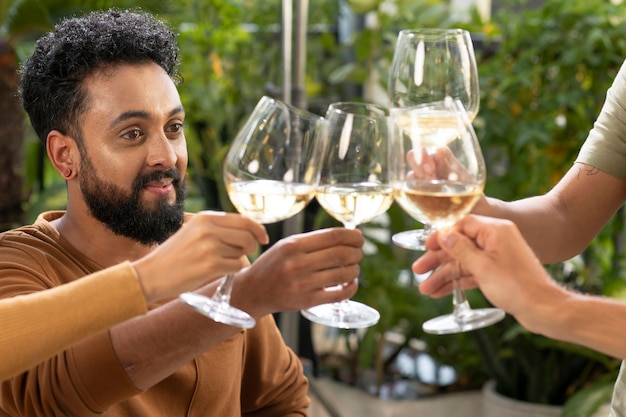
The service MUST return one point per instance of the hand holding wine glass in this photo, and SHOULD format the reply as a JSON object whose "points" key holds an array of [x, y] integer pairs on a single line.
{"points": [[270, 173], [429, 65], [353, 188], [438, 172]]}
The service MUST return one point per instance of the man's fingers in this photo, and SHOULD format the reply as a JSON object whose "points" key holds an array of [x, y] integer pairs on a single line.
{"points": [[237, 222], [429, 261], [458, 246], [444, 288]]}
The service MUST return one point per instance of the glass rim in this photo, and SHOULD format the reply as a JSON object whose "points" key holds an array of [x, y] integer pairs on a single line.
{"points": [[448, 103], [342, 107], [296, 110], [412, 31]]}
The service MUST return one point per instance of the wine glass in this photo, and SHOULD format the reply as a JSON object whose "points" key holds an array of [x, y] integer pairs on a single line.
{"points": [[429, 65], [353, 188], [270, 173], [438, 171]]}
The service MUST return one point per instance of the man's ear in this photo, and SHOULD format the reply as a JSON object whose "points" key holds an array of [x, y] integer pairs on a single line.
{"points": [[63, 153]]}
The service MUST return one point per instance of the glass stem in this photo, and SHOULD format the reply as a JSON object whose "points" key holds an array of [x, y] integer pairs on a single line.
{"points": [[459, 300], [343, 306], [222, 294], [427, 230]]}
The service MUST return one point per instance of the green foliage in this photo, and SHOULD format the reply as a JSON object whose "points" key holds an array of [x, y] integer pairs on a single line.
{"points": [[533, 368], [585, 402], [220, 85], [27, 19], [367, 52], [543, 88], [231, 56]]}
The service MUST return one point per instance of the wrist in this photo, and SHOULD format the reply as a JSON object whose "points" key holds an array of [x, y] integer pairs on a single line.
{"points": [[489, 206], [245, 297], [550, 313], [146, 288]]}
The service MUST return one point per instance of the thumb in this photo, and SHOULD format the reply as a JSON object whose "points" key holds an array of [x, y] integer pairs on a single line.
{"points": [[459, 246]]}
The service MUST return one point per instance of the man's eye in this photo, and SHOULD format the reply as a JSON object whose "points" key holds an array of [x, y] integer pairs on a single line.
{"points": [[133, 134], [176, 128]]}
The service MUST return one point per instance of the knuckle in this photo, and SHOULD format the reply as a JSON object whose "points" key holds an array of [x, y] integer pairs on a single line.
{"points": [[288, 246], [335, 236], [292, 268]]}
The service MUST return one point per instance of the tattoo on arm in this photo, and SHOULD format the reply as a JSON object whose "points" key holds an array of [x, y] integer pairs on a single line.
{"points": [[588, 171]]}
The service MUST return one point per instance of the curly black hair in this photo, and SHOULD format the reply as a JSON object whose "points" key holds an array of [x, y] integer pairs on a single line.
{"points": [[51, 87]]}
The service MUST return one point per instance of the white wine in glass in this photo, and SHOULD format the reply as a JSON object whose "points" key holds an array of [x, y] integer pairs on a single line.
{"points": [[429, 65], [270, 173], [353, 188], [438, 171]]}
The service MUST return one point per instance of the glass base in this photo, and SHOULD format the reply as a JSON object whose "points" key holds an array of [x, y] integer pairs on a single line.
{"points": [[347, 314], [411, 239], [464, 321], [218, 310]]}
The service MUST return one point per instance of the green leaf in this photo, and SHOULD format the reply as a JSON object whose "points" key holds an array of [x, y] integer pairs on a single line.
{"points": [[587, 401]]}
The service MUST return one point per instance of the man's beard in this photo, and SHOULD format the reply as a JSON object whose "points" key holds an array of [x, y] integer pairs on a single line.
{"points": [[124, 214]]}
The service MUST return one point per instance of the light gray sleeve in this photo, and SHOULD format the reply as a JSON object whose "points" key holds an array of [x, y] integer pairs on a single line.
{"points": [[605, 147], [617, 402]]}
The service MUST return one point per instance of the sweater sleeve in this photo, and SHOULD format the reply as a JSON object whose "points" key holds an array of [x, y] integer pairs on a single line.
{"points": [[58, 386], [273, 383], [38, 325]]}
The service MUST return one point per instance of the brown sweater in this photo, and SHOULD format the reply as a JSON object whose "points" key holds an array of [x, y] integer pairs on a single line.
{"points": [[253, 373]]}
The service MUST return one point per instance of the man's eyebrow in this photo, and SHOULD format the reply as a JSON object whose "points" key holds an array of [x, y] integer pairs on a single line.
{"points": [[142, 115], [177, 109]]}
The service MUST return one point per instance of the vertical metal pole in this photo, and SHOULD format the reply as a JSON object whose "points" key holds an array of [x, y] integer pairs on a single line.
{"points": [[289, 321], [299, 69], [287, 34], [297, 90]]}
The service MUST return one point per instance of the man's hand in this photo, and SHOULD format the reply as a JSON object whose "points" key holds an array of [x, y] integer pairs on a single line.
{"points": [[492, 254], [208, 246], [296, 271]]}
